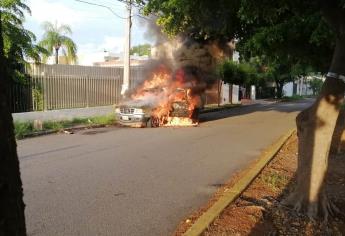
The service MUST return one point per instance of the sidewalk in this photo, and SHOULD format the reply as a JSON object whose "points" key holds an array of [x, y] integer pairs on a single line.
{"points": [[69, 114], [259, 209], [64, 114]]}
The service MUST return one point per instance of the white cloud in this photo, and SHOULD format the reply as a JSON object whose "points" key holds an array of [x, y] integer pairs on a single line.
{"points": [[42, 10]]}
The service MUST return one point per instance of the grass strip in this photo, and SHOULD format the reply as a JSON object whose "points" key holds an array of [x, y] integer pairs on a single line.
{"points": [[294, 98], [232, 193], [23, 129]]}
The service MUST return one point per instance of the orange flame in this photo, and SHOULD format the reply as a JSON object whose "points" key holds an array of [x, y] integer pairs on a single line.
{"points": [[180, 121], [164, 91]]}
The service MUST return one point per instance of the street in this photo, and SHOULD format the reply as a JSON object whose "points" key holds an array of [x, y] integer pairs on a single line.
{"points": [[127, 181]]}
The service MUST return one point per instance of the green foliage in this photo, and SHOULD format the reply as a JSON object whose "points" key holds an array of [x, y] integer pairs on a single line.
{"points": [[260, 70], [103, 120], [141, 50], [315, 84], [288, 34], [238, 73], [55, 39], [54, 125], [202, 19], [37, 95], [23, 129], [296, 37], [280, 70], [18, 42], [293, 98]]}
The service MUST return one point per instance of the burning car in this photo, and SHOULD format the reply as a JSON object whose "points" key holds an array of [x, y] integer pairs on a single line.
{"points": [[166, 99], [132, 116], [177, 112]]}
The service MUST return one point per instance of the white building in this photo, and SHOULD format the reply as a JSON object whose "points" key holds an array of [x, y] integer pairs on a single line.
{"points": [[300, 86]]}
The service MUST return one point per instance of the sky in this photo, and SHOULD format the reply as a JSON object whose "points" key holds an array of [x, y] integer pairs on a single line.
{"points": [[95, 29]]}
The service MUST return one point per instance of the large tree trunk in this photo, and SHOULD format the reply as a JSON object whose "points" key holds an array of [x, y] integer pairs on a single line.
{"points": [[315, 127], [12, 220], [337, 145], [279, 86]]}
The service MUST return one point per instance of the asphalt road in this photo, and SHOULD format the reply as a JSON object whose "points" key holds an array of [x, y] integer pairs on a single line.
{"points": [[126, 181]]}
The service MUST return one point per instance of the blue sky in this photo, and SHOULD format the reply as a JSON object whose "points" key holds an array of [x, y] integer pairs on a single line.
{"points": [[95, 29]]}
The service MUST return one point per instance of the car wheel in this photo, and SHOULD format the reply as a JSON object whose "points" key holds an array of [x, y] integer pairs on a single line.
{"points": [[153, 122]]}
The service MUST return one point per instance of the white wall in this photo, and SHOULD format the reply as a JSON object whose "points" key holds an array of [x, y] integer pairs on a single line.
{"points": [[288, 89], [253, 92], [225, 94], [235, 93], [303, 87]]}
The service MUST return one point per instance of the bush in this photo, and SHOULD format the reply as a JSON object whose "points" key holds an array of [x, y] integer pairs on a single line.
{"points": [[38, 98], [22, 128], [103, 120]]}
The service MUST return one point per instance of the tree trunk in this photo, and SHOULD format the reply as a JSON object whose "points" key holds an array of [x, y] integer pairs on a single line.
{"points": [[279, 86], [219, 87], [337, 145], [12, 220], [315, 127], [56, 55]]}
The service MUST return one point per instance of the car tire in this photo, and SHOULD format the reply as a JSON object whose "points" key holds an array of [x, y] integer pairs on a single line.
{"points": [[195, 115], [153, 122]]}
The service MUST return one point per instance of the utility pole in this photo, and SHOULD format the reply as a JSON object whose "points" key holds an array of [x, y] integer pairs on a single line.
{"points": [[126, 56]]}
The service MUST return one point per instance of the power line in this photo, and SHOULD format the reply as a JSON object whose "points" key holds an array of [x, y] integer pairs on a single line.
{"points": [[132, 3], [100, 5], [110, 9]]}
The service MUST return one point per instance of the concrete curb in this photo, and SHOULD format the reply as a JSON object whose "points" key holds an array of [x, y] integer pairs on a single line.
{"points": [[201, 224], [80, 127]]}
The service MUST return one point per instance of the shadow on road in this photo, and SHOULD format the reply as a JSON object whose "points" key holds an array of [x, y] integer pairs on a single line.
{"points": [[286, 107]]}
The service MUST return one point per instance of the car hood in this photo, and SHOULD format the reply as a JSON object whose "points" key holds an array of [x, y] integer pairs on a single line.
{"points": [[136, 104]]}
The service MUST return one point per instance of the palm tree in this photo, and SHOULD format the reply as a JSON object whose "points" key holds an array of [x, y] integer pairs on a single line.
{"points": [[55, 39]]}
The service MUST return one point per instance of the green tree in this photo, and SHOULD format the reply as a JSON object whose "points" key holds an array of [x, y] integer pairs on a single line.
{"points": [[307, 33], [12, 218], [141, 50], [55, 39], [18, 42], [282, 72], [256, 72], [315, 84], [243, 74]]}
